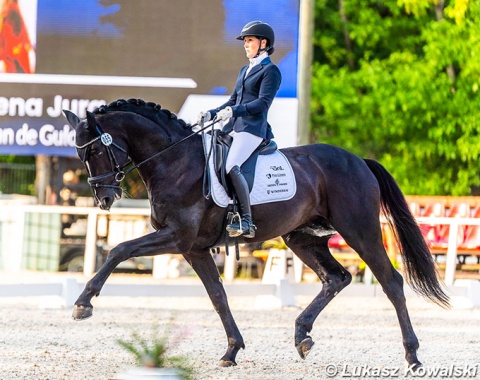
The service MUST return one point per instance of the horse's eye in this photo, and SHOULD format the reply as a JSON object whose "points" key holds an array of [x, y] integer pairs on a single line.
{"points": [[96, 152]]}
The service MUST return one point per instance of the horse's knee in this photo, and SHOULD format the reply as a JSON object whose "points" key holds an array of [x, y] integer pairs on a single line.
{"points": [[335, 283], [119, 253]]}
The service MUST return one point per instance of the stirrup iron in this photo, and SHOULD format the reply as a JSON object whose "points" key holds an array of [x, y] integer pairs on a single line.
{"points": [[234, 232]]}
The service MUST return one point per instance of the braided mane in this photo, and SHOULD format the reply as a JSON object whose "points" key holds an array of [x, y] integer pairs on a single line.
{"points": [[150, 110]]}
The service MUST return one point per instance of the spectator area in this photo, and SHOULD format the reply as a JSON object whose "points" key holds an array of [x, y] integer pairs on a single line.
{"points": [[429, 210]]}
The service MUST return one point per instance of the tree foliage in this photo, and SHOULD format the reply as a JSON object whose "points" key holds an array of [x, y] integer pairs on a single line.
{"points": [[398, 81]]}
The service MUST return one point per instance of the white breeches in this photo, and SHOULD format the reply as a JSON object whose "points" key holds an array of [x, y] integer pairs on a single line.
{"points": [[243, 145]]}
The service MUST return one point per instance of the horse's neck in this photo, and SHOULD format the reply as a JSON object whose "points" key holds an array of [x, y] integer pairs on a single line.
{"points": [[147, 139], [169, 168]]}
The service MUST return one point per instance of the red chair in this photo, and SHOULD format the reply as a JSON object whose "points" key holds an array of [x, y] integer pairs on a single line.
{"points": [[457, 210], [434, 209], [472, 235], [337, 242], [433, 232]]}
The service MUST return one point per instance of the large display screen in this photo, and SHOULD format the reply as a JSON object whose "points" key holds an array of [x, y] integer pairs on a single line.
{"points": [[79, 54]]}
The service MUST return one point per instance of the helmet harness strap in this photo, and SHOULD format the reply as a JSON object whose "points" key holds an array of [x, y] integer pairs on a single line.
{"points": [[260, 49]]}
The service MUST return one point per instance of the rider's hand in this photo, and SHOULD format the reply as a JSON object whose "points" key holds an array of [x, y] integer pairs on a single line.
{"points": [[225, 114], [203, 117]]}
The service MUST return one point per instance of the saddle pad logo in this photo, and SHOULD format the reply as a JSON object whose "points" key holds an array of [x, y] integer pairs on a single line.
{"points": [[274, 180]]}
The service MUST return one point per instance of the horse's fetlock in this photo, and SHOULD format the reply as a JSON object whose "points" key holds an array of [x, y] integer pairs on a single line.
{"points": [[236, 343], [411, 344], [92, 289], [303, 326]]}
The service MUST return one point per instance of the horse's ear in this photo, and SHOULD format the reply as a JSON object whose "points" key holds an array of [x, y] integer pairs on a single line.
{"points": [[91, 122], [72, 119]]}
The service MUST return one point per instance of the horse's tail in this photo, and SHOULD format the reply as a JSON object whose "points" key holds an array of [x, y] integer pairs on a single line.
{"points": [[420, 268]]}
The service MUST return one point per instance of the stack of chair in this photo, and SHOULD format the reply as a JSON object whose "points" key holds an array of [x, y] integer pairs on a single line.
{"points": [[437, 235]]}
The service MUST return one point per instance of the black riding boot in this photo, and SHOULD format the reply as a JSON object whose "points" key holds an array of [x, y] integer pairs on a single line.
{"points": [[246, 227]]}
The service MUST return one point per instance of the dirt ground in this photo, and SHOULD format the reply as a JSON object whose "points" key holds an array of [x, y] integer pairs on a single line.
{"points": [[358, 337]]}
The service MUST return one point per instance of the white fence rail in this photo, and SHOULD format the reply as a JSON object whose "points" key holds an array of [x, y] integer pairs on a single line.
{"points": [[14, 216], [64, 292], [453, 241]]}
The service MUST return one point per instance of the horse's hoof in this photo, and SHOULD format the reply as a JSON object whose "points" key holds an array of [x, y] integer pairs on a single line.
{"points": [[304, 347], [81, 312], [415, 365], [227, 363]]}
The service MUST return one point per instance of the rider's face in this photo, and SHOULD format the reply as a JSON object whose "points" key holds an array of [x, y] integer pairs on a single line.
{"points": [[251, 45]]}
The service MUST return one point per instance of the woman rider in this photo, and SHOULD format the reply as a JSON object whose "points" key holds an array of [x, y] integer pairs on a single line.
{"points": [[257, 85]]}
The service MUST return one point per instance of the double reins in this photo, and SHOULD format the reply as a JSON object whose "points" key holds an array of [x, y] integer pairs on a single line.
{"points": [[118, 171], [166, 149]]}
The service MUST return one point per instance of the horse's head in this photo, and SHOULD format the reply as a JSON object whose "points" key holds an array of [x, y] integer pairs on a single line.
{"points": [[103, 156]]}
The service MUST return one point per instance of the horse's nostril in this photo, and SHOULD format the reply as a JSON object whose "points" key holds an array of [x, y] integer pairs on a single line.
{"points": [[105, 203]]}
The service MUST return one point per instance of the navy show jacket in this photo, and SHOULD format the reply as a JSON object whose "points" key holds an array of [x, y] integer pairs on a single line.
{"points": [[252, 98]]}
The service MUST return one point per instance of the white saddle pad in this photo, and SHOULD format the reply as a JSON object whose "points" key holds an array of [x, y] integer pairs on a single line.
{"points": [[274, 179]]}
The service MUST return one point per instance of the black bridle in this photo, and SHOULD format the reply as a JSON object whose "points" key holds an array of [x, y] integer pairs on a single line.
{"points": [[117, 170]]}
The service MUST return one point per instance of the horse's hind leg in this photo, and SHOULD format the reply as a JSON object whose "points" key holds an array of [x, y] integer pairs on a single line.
{"points": [[391, 281], [314, 252], [205, 267]]}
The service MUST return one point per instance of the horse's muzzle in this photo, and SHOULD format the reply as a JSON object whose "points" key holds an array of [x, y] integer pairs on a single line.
{"points": [[105, 201]]}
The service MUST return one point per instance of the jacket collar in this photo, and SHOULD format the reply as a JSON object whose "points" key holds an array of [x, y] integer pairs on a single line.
{"points": [[258, 67], [266, 61], [259, 59]]}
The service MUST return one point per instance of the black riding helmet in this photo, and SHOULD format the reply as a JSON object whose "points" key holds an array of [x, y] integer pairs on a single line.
{"points": [[260, 30]]}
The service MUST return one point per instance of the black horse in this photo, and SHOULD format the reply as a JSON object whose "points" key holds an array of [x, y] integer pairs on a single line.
{"points": [[336, 191]]}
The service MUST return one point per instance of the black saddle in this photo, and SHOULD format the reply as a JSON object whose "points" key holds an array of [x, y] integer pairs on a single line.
{"points": [[221, 145]]}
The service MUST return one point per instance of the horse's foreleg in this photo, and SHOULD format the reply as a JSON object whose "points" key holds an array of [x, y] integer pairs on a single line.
{"points": [[205, 267], [154, 243], [314, 252]]}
